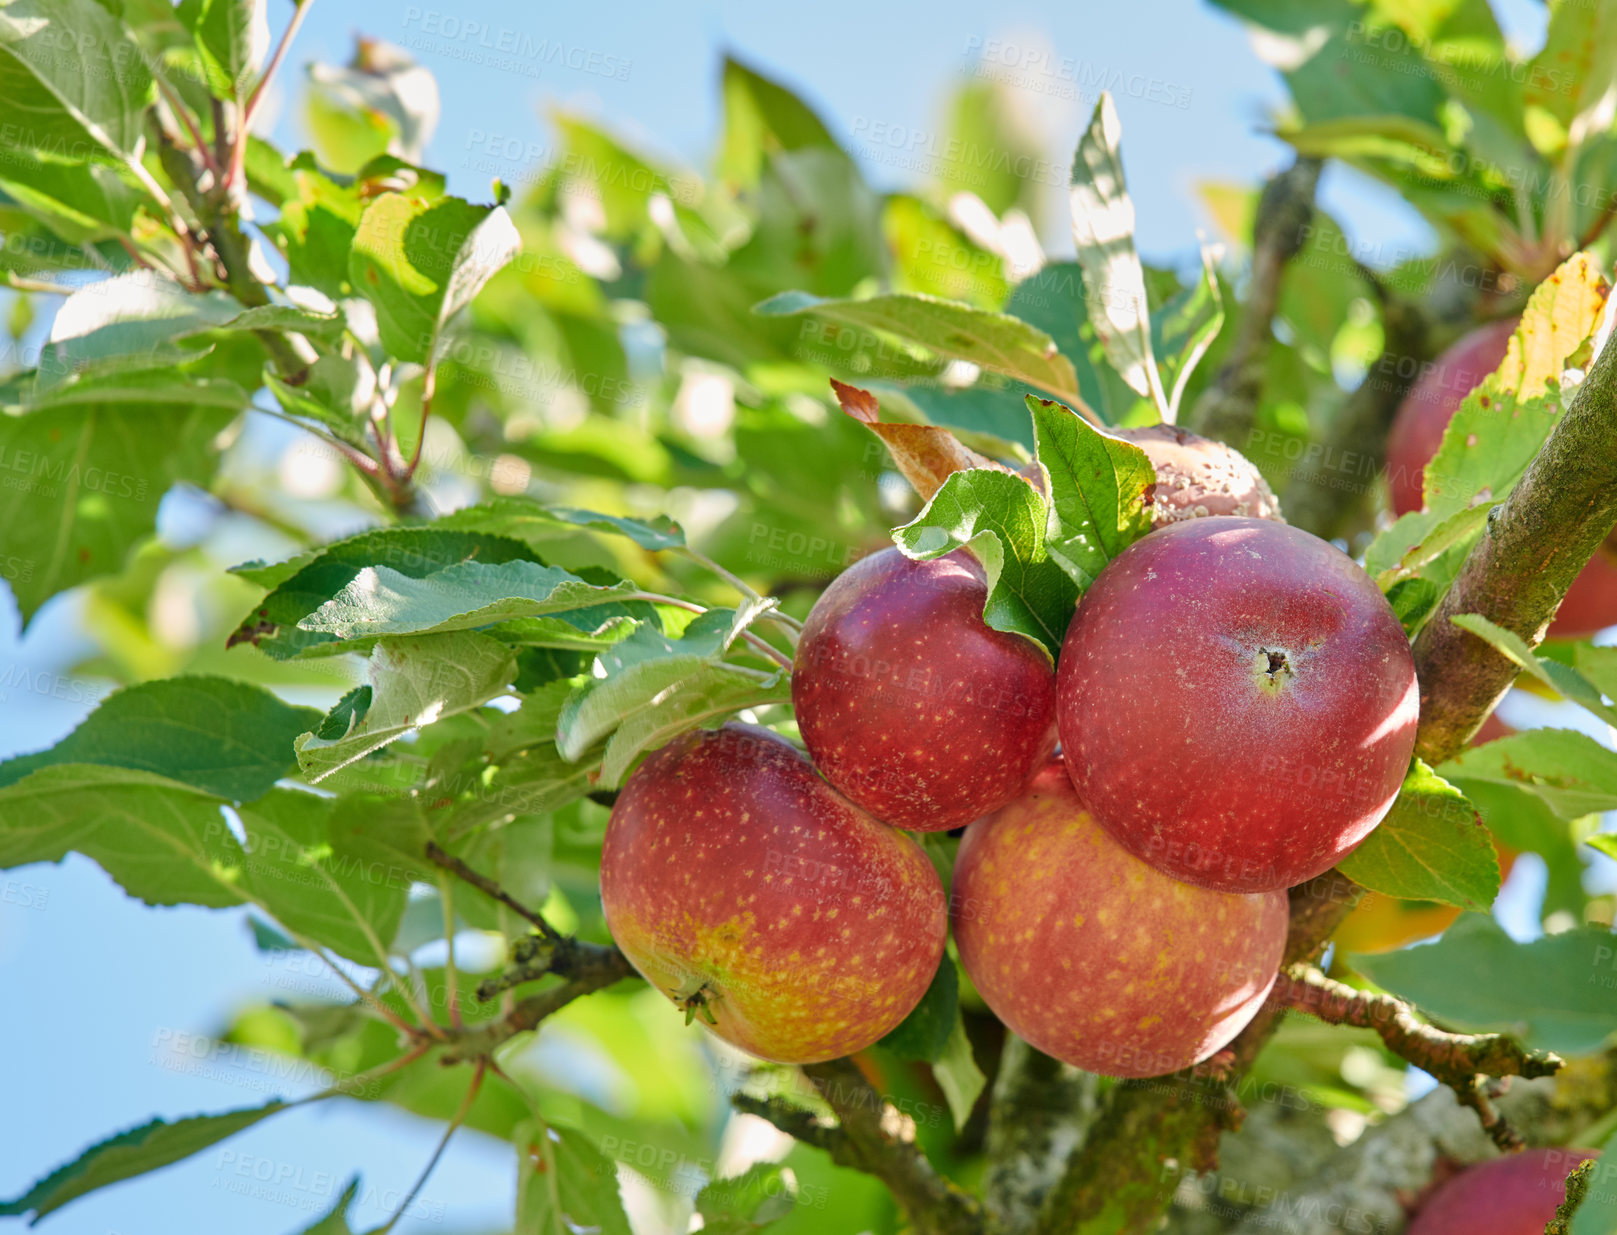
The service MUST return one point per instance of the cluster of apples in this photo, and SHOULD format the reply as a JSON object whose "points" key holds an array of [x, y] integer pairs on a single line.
{"points": [[1235, 705]]}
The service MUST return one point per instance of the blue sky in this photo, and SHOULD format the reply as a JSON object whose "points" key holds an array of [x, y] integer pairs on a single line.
{"points": [[100, 989]]}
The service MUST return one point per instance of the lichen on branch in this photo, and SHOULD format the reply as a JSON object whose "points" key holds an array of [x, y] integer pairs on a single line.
{"points": [[1460, 1061]]}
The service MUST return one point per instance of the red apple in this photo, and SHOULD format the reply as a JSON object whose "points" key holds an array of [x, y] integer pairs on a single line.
{"points": [[1237, 703], [1417, 431], [910, 704], [1198, 476], [1513, 1195], [1095, 957], [751, 893]]}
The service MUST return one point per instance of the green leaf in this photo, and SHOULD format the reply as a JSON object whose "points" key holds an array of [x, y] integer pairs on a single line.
{"points": [[1603, 842], [1184, 328], [1432, 846], [328, 326], [1404, 142], [128, 388], [656, 688], [1520, 820], [233, 38], [925, 1032], [626, 185], [748, 1202], [1555, 993], [1451, 537], [527, 782], [703, 695], [163, 842], [78, 200], [317, 886], [657, 533], [958, 1075], [384, 601], [1100, 490], [1576, 69], [1563, 679], [564, 1184], [934, 256], [421, 260], [1574, 774], [993, 341], [1103, 231], [85, 483], [74, 57], [344, 715], [1002, 519], [992, 146], [761, 116], [316, 228], [381, 103], [149, 1147], [227, 738], [302, 584], [1599, 665], [415, 682], [128, 321], [527, 520], [334, 393], [335, 1221]]}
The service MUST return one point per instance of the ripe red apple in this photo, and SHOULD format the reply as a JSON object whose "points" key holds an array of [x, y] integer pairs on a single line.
{"points": [[752, 894], [1513, 1195], [1590, 604], [1198, 476], [1095, 957], [909, 703], [1237, 703]]}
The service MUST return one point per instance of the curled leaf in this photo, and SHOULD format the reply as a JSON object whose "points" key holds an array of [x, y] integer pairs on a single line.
{"points": [[925, 454]]}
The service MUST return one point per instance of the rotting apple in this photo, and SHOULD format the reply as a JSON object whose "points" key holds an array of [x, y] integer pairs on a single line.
{"points": [[1513, 1195], [755, 896], [1237, 703], [1197, 476], [1095, 957], [910, 704], [1590, 604]]}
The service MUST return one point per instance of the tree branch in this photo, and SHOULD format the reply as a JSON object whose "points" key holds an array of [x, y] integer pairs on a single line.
{"points": [[1577, 1187], [1370, 1184], [441, 857], [871, 1136], [588, 967], [596, 968], [1460, 1061], [1320, 498], [1226, 409], [797, 1122], [1038, 1114]]}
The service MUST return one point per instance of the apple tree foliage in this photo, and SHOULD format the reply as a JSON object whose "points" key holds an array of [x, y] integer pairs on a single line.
{"points": [[534, 483]]}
